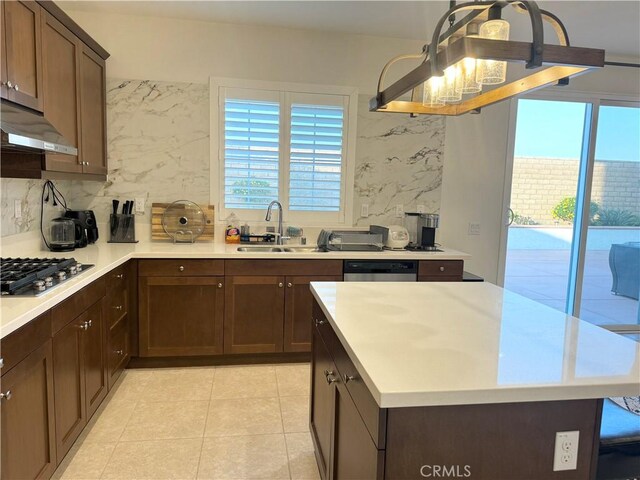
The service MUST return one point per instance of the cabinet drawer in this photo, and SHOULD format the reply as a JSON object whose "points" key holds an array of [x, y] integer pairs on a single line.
{"points": [[117, 278], [118, 305], [178, 267], [118, 353], [445, 270], [73, 306], [283, 267], [25, 340], [373, 416]]}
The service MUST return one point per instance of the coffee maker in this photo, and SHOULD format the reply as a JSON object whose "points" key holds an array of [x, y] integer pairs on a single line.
{"points": [[422, 230], [88, 226]]}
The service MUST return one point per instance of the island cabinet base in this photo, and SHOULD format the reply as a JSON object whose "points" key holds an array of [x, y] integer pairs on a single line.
{"points": [[354, 439]]}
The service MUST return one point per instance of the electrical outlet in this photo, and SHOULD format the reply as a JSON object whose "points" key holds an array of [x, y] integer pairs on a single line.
{"points": [[399, 211], [421, 209], [17, 209], [139, 203], [364, 210], [474, 228], [565, 455]]}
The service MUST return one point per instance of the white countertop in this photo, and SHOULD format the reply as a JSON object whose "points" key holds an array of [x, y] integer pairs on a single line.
{"points": [[421, 344], [17, 311]]}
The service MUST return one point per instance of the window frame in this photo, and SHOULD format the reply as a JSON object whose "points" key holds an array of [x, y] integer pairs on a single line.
{"points": [[285, 91]]}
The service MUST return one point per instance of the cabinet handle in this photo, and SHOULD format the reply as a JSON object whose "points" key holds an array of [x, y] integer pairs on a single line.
{"points": [[289, 285], [120, 276], [319, 322], [15, 87], [330, 378], [90, 322], [348, 378], [220, 285], [6, 396], [1, 362], [442, 269], [181, 268], [328, 372], [120, 352], [280, 284], [118, 307], [84, 326], [9, 84]]}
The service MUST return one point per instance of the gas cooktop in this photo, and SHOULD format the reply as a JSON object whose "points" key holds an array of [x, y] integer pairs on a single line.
{"points": [[35, 276]]}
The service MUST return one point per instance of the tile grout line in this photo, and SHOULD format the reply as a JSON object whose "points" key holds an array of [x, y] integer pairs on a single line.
{"points": [[206, 419], [284, 435]]}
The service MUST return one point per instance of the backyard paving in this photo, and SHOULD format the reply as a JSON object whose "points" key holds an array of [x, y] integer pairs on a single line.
{"points": [[542, 276]]}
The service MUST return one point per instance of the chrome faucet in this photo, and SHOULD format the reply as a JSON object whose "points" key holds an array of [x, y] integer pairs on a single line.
{"points": [[279, 236]]}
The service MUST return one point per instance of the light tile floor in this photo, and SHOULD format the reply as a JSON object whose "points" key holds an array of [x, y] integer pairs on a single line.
{"points": [[233, 423]]}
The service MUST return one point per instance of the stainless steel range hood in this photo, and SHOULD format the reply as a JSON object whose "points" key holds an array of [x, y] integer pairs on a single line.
{"points": [[27, 131]]}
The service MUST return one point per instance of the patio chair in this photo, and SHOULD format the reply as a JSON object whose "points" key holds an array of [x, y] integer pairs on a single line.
{"points": [[624, 262]]}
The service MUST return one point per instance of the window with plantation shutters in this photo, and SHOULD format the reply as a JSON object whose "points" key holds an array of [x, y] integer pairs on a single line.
{"points": [[284, 142], [251, 153], [316, 157]]}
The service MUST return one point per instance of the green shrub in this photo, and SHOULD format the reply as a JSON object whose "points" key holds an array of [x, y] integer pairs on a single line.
{"points": [[523, 220], [565, 210], [615, 217], [247, 188]]}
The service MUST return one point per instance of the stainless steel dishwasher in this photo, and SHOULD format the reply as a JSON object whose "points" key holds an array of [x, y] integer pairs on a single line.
{"points": [[380, 270]]}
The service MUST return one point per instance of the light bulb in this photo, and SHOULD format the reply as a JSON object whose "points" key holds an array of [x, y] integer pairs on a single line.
{"points": [[468, 82], [450, 91], [431, 92], [492, 72]]}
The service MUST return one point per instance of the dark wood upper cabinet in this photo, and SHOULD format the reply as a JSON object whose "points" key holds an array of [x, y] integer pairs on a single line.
{"points": [[298, 311], [22, 69], [61, 80], [254, 314], [93, 113], [180, 316], [28, 428]]}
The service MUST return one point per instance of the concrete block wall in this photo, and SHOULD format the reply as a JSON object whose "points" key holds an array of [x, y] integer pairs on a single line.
{"points": [[540, 183]]}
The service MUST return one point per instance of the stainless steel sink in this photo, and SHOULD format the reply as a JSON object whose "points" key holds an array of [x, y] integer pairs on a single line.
{"points": [[260, 249], [301, 249], [285, 249]]}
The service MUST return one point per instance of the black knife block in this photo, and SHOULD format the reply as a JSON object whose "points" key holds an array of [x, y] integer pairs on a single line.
{"points": [[122, 228]]}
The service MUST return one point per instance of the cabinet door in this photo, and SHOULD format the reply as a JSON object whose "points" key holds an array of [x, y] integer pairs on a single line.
{"points": [[22, 30], [181, 316], [60, 54], [118, 351], [93, 151], [354, 453], [254, 314], [298, 311], [94, 357], [28, 441], [322, 400], [68, 385]]}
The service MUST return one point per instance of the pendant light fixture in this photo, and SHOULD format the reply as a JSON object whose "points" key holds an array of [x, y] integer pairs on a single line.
{"points": [[465, 68]]}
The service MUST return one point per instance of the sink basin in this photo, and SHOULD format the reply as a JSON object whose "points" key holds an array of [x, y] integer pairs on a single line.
{"points": [[285, 249], [301, 249], [260, 249]]}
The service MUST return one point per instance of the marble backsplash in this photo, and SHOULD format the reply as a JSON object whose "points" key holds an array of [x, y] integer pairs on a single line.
{"points": [[158, 147]]}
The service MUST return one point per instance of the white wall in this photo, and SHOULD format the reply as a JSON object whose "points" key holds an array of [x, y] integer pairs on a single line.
{"points": [[188, 51], [475, 160]]}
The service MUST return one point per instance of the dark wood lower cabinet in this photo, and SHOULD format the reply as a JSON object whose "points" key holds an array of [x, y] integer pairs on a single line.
{"points": [[69, 385], [181, 316], [28, 429], [94, 357], [254, 314], [298, 311]]}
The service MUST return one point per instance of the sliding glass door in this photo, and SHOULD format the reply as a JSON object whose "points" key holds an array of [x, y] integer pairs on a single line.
{"points": [[573, 235]]}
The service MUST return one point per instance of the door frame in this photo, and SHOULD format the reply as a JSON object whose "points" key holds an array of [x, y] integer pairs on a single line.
{"points": [[585, 180]]}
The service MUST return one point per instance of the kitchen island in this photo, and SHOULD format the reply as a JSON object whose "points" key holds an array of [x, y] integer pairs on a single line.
{"points": [[467, 379]]}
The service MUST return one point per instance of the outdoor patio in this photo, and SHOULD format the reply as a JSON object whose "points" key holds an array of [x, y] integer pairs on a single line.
{"points": [[538, 268]]}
